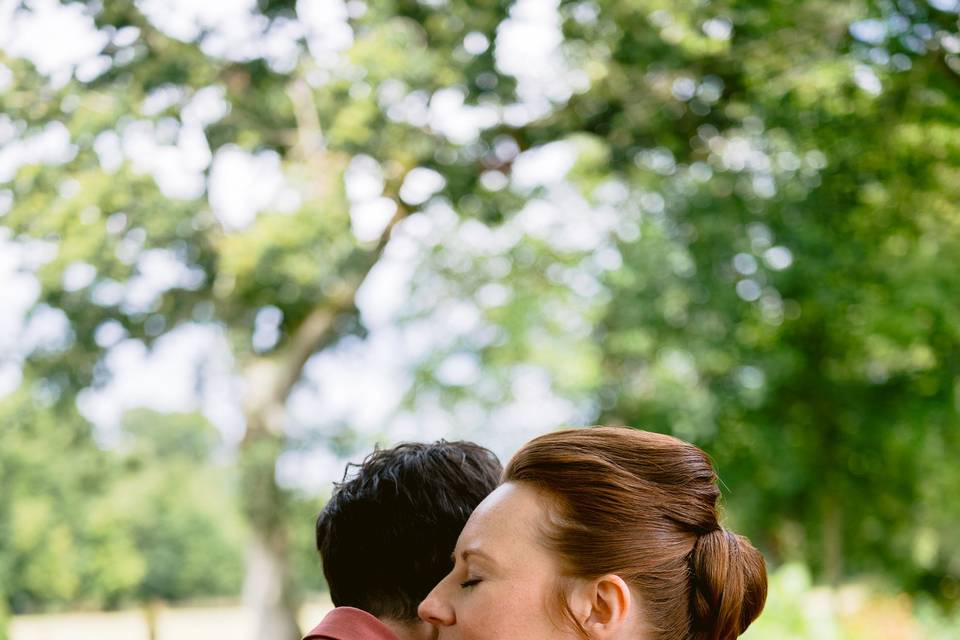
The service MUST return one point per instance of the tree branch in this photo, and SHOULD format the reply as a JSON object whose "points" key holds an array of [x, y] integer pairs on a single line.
{"points": [[317, 327], [310, 140]]}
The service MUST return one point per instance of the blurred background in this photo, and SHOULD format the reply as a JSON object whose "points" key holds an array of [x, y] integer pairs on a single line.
{"points": [[242, 242]]}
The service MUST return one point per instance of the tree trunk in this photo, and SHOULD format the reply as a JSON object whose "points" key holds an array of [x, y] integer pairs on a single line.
{"points": [[832, 541], [268, 586], [151, 614], [268, 589]]}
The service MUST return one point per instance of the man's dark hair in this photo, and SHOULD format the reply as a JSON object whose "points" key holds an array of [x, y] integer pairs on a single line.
{"points": [[387, 534]]}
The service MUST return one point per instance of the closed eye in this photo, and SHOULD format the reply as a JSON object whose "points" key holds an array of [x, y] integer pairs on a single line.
{"points": [[469, 583]]}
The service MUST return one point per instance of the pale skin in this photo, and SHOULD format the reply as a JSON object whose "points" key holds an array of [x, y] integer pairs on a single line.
{"points": [[504, 582], [410, 630]]}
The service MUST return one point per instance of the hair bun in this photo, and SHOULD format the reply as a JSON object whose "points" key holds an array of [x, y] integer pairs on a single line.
{"points": [[729, 585]]}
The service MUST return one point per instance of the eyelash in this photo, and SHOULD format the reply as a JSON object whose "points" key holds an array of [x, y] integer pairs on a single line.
{"points": [[469, 583]]}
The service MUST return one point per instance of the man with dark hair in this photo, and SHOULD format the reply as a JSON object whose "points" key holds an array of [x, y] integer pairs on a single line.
{"points": [[387, 534]]}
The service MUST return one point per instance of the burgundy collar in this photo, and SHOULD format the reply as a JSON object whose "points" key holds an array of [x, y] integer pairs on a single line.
{"points": [[347, 623]]}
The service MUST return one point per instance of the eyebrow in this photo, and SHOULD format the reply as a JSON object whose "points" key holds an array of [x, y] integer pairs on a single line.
{"points": [[466, 553]]}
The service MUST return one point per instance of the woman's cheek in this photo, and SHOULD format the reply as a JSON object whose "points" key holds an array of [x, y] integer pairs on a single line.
{"points": [[483, 613]]}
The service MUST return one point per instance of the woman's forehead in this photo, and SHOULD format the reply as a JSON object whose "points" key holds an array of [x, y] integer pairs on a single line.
{"points": [[511, 510]]}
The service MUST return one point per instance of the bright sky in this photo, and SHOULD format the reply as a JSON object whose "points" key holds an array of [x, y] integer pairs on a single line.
{"points": [[191, 368]]}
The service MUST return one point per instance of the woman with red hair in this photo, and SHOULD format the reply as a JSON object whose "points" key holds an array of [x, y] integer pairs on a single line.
{"points": [[605, 533]]}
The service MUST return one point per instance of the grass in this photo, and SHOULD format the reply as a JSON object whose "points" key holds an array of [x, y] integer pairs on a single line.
{"points": [[170, 623]]}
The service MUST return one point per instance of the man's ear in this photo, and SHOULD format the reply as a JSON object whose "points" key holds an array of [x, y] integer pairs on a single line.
{"points": [[604, 606]]}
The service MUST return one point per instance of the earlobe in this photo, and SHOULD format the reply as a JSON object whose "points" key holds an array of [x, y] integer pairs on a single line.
{"points": [[611, 608]]}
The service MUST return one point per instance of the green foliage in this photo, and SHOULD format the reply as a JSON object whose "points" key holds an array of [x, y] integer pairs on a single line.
{"points": [[756, 247], [304, 558], [54, 552], [791, 611], [834, 376], [180, 509], [798, 610], [84, 526]]}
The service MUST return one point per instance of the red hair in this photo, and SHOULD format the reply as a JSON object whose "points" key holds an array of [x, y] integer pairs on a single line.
{"points": [[643, 506]]}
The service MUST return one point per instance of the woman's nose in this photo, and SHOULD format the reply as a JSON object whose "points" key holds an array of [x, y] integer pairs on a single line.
{"points": [[435, 609]]}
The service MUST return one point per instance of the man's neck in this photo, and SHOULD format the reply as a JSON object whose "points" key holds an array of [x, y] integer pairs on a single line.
{"points": [[410, 629]]}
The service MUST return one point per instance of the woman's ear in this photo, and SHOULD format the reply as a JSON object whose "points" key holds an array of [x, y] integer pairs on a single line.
{"points": [[604, 606]]}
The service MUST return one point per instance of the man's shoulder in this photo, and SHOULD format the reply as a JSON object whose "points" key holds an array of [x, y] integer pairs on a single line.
{"points": [[347, 623]]}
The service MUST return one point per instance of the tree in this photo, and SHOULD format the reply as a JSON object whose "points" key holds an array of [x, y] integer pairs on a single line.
{"points": [[84, 526], [784, 182], [62, 539], [180, 508], [786, 301], [712, 255], [301, 266]]}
